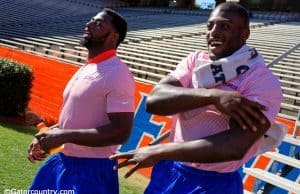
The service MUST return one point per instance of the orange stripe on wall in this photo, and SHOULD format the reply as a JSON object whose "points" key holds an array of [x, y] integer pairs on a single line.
{"points": [[51, 77]]}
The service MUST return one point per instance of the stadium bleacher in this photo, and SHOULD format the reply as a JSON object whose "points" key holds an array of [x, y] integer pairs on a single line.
{"points": [[157, 40]]}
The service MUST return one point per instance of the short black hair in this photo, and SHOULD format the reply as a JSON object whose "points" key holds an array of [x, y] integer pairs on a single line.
{"points": [[236, 9], [118, 22]]}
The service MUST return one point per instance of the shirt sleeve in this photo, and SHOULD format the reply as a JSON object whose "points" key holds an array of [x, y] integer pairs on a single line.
{"points": [[184, 69], [120, 92], [263, 87]]}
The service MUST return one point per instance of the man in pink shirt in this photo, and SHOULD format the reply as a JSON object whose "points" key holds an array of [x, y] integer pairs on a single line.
{"points": [[224, 100], [96, 116]]}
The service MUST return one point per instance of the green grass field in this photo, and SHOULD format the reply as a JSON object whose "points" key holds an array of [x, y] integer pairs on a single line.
{"points": [[16, 172]]}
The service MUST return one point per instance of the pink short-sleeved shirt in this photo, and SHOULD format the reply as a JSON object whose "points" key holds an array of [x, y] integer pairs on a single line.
{"points": [[94, 91], [258, 84]]}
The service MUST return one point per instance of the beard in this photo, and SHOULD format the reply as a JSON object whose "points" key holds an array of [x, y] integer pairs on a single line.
{"points": [[84, 41], [90, 42]]}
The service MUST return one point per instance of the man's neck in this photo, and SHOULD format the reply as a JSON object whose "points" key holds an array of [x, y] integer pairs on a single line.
{"points": [[96, 51]]}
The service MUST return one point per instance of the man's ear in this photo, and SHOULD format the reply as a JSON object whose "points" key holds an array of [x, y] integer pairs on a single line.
{"points": [[115, 37], [245, 34]]}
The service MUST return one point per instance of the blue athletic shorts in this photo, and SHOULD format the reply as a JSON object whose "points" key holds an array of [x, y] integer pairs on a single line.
{"points": [[82, 175], [170, 177]]}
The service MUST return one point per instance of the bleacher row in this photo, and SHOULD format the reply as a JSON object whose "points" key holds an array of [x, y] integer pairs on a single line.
{"points": [[281, 16], [157, 40], [44, 11]]}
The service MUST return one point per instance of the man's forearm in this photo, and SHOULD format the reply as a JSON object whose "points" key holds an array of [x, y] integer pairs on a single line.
{"points": [[103, 136], [167, 99], [228, 145], [202, 151], [116, 132]]}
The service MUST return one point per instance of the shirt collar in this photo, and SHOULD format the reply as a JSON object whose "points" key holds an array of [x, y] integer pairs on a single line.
{"points": [[102, 56]]}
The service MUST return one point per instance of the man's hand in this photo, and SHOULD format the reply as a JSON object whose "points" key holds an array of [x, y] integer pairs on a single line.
{"points": [[141, 158], [50, 139], [35, 152], [242, 110]]}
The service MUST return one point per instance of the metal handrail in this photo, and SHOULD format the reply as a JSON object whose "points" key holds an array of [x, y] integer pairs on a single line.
{"points": [[284, 55], [297, 126]]}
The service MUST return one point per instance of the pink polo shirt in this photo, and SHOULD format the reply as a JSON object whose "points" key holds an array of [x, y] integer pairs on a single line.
{"points": [[258, 84], [94, 91]]}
